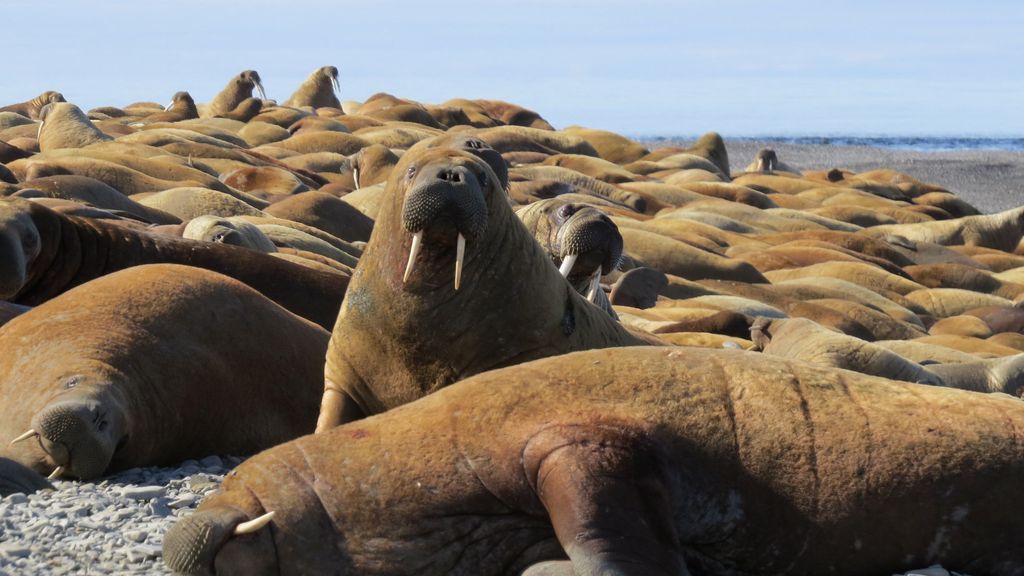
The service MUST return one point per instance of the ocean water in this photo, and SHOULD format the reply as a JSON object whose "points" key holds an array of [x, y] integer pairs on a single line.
{"points": [[917, 143]]}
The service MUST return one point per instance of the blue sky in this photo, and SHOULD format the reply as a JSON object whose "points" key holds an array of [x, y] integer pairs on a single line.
{"points": [[639, 67]]}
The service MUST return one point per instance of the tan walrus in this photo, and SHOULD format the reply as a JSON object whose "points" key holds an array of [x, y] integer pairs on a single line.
{"points": [[318, 90], [451, 284], [238, 89], [43, 253], [154, 365], [31, 108], [634, 462]]}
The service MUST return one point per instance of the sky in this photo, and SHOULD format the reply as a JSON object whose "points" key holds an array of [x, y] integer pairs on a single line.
{"points": [[639, 67]]}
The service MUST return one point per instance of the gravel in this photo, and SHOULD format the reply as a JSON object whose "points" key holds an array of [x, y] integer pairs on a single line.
{"points": [[114, 526]]}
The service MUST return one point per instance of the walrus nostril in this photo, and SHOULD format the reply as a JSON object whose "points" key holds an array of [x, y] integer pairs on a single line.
{"points": [[450, 176]]}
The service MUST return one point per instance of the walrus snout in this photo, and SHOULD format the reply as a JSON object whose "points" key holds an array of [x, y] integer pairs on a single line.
{"points": [[590, 235], [78, 435], [445, 193], [219, 540]]}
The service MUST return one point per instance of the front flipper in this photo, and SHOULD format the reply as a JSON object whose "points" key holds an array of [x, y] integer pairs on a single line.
{"points": [[338, 405], [607, 492]]}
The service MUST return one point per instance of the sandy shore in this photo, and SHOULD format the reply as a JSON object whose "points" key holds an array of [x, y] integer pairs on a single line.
{"points": [[991, 180]]}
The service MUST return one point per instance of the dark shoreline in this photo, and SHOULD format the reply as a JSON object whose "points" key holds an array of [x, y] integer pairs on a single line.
{"points": [[991, 180]]}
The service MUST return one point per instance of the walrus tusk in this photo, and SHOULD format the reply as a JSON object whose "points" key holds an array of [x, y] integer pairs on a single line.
{"points": [[595, 285], [56, 472], [259, 88], [337, 84], [28, 434], [413, 250], [169, 106], [460, 253], [40, 131], [254, 524], [355, 177], [567, 264]]}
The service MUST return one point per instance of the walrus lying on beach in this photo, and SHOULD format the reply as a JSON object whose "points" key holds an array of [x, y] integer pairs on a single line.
{"points": [[451, 284], [43, 253], [636, 461], [154, 365], [31, 108]]}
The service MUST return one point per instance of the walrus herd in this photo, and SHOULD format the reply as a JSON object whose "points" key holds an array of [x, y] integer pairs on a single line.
{"points": [[455, 340]]}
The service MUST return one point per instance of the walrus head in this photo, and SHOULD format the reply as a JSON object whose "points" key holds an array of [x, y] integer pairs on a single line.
{"points": [[247, 80], [444, 203], [80, 430], [767, 160], [21, 242], [581, 240], [331, 73], [182, 101]]}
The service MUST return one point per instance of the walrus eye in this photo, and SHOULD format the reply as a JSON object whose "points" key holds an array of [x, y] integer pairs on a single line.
{"points": [[102, 425], [411, 171], [218, 237]]}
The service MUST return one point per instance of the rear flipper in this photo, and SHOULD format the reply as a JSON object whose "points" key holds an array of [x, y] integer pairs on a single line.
{"points": [[15, 477], [606, 490], [338, 405]]}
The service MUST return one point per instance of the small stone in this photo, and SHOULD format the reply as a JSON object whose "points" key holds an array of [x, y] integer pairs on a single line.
{"points": [[183, 501], [143, 492], [13, 551], [935, 570], [211, 462], [144, 552], [158, 508], [16, 498], [136, 535]]}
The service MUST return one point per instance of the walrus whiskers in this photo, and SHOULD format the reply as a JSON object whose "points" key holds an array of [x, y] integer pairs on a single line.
{"points": [[28, 434], [254, 524], [413, 250]]}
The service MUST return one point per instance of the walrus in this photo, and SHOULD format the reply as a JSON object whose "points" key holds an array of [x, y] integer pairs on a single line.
{"points": [[245, 110], [318, 90], [767, 161], [31, 108], [1001, 231], [182, 107], [238, 89], [434, 297], [581, 240], [638, 462], [43, 254], [64, 125], [154, 365]]}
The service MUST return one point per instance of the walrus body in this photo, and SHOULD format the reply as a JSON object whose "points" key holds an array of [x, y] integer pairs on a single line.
{"points": [[154, 365], [317, 90], [31, 108], [637, 461], [43, 253], [401, 336]]}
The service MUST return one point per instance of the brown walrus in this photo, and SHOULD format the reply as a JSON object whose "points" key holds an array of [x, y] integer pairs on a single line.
{"points": [[318, 90], [451, 284], [634, 462], [238, 89], [31, 108], [182, 107], [154, 365], [43, 253], [64, 125]]}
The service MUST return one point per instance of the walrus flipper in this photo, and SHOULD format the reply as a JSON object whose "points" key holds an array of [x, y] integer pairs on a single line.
{"points": [[605, 490], [15, 477]]}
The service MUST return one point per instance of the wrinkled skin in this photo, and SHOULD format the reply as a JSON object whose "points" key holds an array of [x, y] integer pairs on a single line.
{"points": [[402, 335], [567, 229], [706, 455], [151, 366], [43, 254]]}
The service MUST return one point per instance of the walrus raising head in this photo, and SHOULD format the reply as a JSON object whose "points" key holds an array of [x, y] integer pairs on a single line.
{"points": [[31, 108], [238, 89], [766, 160], [581, 240], [318, 90]]}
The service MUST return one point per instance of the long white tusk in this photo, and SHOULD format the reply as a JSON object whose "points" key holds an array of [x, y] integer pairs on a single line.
{"points": [[460, 253], [567, 264], [355, 177], [254, 524], [40, 131], [56, 472], [413, 250], [28, 434], [169, 106], [595, 285], [259, 87], [337, 84]]}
